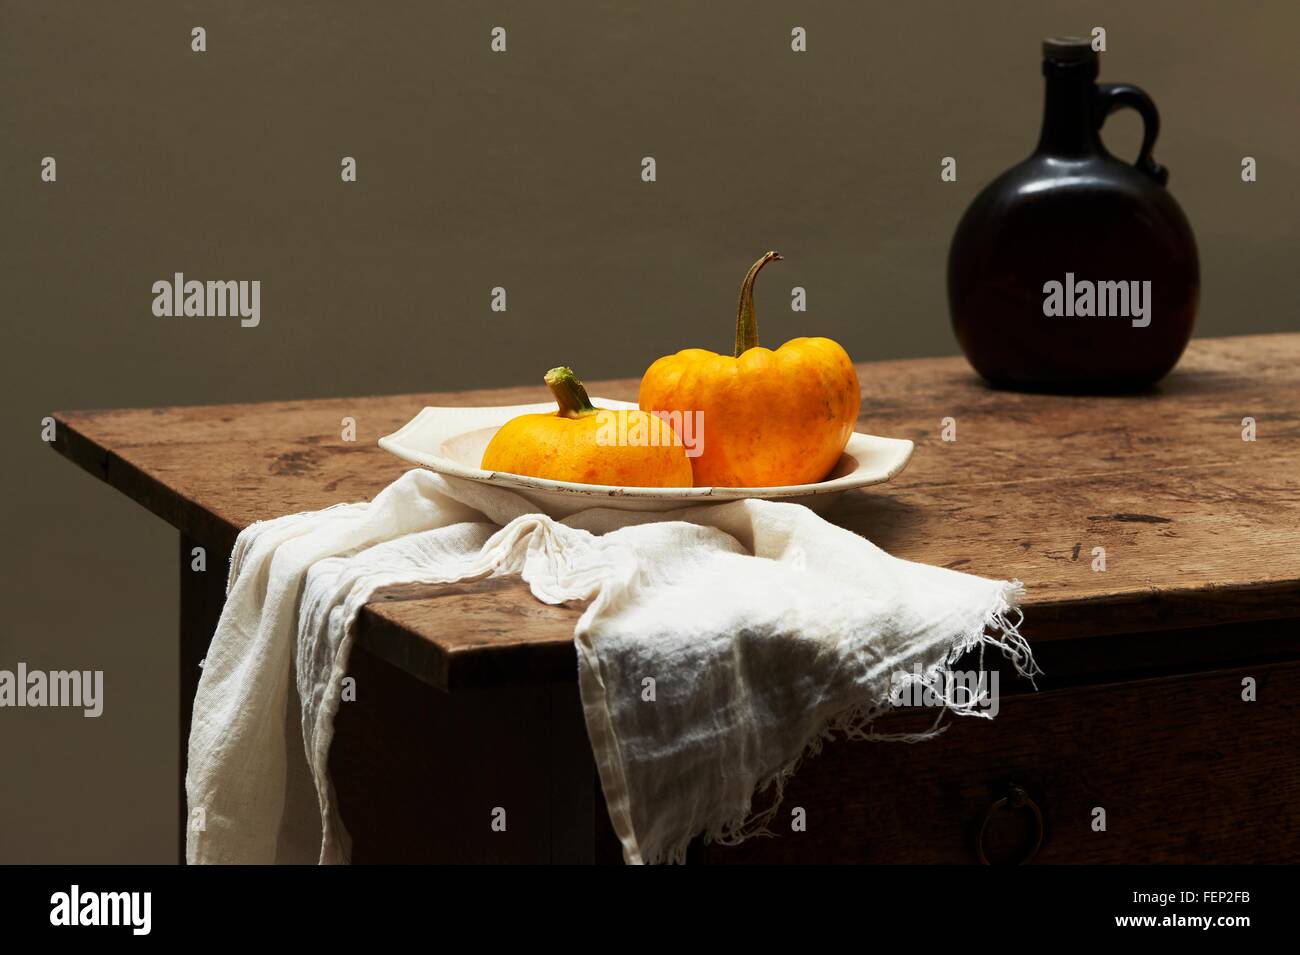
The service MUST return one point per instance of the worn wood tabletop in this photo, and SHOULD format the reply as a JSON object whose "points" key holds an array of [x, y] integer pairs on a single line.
{"points": [[1199, 526]]}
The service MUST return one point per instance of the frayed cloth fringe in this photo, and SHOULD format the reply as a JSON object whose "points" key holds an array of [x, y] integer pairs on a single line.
{"points": [[999, 630]]}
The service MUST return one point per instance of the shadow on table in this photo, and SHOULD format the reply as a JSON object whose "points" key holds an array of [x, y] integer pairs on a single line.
{"points": [[881, 518]]}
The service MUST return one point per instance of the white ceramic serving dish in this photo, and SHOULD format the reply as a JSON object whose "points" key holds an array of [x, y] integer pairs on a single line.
{"points": [[452, 440]]}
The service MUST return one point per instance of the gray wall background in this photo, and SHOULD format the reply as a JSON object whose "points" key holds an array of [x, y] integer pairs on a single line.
{"points": [[520, 170]]}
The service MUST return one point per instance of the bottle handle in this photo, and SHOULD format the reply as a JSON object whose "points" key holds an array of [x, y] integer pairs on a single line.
{"points": [[1113, 96]]}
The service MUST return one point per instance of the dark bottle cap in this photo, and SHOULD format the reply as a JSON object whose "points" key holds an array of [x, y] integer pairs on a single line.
{"points": [[1067, 50]]}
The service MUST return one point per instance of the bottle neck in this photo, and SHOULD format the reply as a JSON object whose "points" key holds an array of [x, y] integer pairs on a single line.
{"points": [[1068, 128]]}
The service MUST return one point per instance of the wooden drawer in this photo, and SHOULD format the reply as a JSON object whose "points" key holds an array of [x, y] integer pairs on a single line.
{"points": [[1185, 770]]}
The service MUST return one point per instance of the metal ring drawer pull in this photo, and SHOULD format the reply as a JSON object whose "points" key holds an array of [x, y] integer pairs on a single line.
{"points": [[1016, 798]]}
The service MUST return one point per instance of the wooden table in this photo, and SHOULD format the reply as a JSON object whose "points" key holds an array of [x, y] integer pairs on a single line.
{"points": [[467, 696]]}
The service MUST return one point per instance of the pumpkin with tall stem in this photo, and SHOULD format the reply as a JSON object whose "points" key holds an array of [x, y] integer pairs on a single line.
{"points": [[769, 418]]}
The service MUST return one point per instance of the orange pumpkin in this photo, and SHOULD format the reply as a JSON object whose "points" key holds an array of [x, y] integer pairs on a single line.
{"points": [[768, 418], [589, 445]]}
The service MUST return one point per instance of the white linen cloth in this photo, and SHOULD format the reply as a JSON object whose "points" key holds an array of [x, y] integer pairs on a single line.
{"points": [[764, 628]]}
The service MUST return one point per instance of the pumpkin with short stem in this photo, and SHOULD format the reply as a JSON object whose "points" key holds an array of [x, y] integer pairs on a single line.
{"points": [[767, 418], [588, 445]]}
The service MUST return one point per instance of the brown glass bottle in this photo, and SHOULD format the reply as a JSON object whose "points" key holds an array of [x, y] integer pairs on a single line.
{"points": [[1074, 215]]}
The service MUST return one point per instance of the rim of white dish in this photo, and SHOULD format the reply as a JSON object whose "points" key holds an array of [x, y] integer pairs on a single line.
{"points": [[443, 465]]}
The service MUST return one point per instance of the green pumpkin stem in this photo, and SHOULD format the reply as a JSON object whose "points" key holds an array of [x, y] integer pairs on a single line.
{"points": [[569, 393], [746, 320]]}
